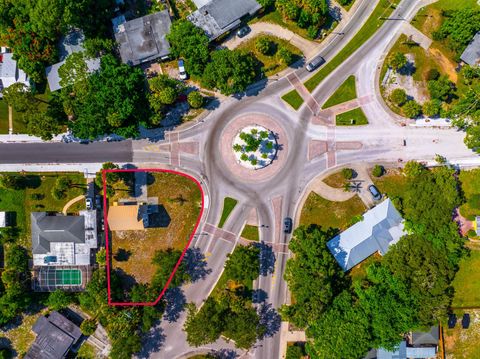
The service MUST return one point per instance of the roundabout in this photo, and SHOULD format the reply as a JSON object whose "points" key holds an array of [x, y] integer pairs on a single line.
{"points": [[254, 147]]}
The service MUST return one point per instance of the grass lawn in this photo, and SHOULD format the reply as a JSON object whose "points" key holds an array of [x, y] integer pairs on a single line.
{"points": [[336, 180], [275, 17], [393, 183], [470, 181], [353, 117], [349, 5], [270, 63], [228, 206], [87, 351], [251, 232], [467, 281], [463, 343], [373, 23], [21, 202], [346, 92], [293, 98], [318, 210], [181, 199]]}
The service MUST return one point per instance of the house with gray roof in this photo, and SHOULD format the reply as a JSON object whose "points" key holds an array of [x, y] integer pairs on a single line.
{"points": [[56, 335], [10, 73], [477, 225], [59, 240], [143, 39], [69, 44], [216, 17], [381, 227], [471, 55]]}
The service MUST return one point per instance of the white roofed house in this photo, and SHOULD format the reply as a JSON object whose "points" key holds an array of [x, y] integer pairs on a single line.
{"points": [[9, 71], [381, 227], [62, 246]]}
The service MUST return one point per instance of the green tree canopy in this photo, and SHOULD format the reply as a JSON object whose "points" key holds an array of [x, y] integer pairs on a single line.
{"points": [[313, 275], [229, 71], [397, 61], [243, 264], [191, 43]]}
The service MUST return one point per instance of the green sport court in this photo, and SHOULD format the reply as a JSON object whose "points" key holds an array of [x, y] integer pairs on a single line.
{"points": [[61, 277]]}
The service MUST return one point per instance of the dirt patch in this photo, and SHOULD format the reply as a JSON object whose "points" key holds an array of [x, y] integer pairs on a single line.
{"points": [[463, 343], [447, 66], [432, 20]]}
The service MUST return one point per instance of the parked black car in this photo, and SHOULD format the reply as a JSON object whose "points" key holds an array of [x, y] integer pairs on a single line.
{"points": [[287, 225]]}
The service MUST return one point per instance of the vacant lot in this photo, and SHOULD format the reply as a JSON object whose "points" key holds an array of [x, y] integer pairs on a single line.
{"points": [[181, 199], [318, 210], [35, 195]]}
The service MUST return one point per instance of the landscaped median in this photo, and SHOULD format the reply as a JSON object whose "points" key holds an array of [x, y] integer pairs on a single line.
{"points": [[353, 117], [381, 11], [293, 98], [346, 92]]}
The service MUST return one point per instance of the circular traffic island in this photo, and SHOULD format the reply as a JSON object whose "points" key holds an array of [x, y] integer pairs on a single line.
{"points": [[255, 147]]}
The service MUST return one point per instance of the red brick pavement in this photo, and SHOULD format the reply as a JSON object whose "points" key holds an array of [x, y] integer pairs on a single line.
{"points": [[277, 212], [220, 233], [302, 90], [348, 145], [174, 149], [316, 148]]}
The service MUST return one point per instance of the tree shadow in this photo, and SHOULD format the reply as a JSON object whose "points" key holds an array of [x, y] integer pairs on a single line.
{"points": [[224, 354], [267, 258], [196, 266], [259, 296], [122, 255], [408, 70], [175, 303], [270, 319], [6, 343], [152, 341]]}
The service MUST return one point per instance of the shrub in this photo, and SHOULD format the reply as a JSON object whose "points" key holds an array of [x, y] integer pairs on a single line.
{"points": [[398, 97], [88, 327], [377, 171], [264, 46], [195, 99], [432, 108], [412, 109], [397, 61], [474, 201], [285, 55], [471, 233], [347, 173], [244, 157], [432, 75]]}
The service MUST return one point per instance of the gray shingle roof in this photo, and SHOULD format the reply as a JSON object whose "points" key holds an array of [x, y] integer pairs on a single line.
{"points": [[471, 55], [48, 229], [144, 39], [55, 336], [219, 16], [426, 338], [381, 227]]}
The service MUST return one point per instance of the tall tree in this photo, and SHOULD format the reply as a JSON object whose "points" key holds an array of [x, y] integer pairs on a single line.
{"points": [[243, 264], [313, 275]]}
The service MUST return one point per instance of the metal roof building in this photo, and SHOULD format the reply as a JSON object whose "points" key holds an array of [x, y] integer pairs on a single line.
{"points": [[69, 44], [381, 227], [220, 16], [471, 55], [143, 39], [10, 73], [55, 337], [3, 219], [63, 240]]}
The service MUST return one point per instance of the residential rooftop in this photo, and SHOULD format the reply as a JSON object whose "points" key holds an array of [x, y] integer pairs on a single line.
{"points": [[143, 39], [10, 73], [381, 227], [217, 17], [471, 55], [55, 337], [63, 240]]}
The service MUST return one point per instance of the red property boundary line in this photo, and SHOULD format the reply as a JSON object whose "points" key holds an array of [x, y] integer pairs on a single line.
{"points": [[104, 179]]}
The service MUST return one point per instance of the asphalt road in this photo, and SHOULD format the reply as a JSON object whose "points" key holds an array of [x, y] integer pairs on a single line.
{"points": [[97, 152]]}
